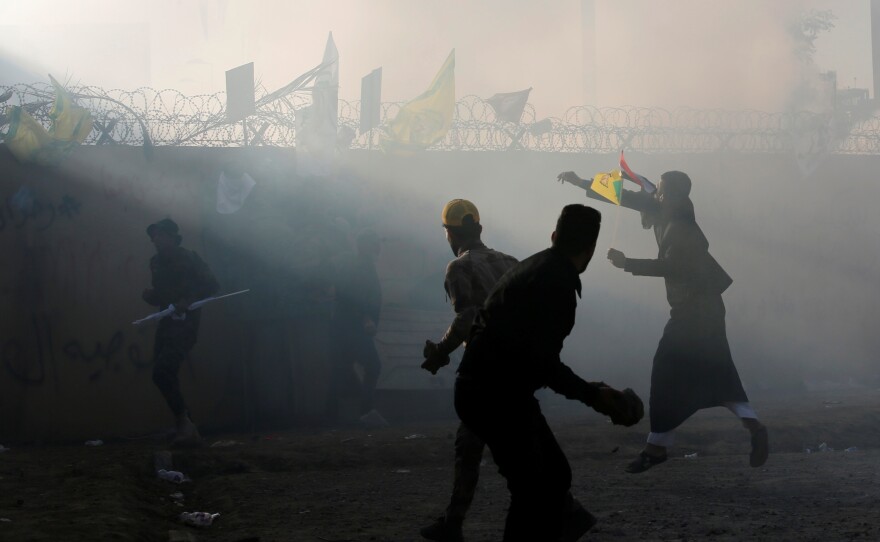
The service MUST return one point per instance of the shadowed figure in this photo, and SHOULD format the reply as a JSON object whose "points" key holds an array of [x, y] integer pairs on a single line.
{"points": [[179, 277], [469, 279], [513, 350], [354, 323]]}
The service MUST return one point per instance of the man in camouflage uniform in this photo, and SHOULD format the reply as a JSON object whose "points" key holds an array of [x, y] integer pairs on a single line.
{"points": [[179, 277], [469, 279]]}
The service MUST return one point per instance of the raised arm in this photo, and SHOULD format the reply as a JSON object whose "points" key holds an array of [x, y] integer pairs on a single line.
{"points": [[636, 200]]}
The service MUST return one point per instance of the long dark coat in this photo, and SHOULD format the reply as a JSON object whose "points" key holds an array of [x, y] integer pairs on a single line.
{"points": [[693, 368]]}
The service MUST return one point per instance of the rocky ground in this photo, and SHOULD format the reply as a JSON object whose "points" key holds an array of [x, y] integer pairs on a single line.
{"points": [[383, 484]]}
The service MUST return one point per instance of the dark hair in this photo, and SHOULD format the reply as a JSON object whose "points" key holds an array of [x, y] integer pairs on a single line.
{"points": [[167, 226], [676, 184], [468, 230], [577, 229]]}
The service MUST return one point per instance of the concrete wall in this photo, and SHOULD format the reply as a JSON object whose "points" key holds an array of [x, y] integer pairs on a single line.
{"points": [[802, 251]]}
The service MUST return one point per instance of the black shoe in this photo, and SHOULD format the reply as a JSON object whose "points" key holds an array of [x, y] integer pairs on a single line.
{"points": [[644, 462], [760, 447], [579, 522], [443, 531]]}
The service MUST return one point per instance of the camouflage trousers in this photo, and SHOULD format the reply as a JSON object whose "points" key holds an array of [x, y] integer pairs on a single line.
{"points": [[468, 455]]}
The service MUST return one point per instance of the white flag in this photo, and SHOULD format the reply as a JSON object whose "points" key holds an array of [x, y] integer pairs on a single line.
{"points": [[316, 131]]}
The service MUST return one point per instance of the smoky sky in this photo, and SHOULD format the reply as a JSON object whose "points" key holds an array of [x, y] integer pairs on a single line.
{"points": [[694, 53]]}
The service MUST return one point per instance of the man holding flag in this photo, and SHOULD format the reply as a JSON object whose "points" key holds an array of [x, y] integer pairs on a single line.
{"points": [[693, 368]]}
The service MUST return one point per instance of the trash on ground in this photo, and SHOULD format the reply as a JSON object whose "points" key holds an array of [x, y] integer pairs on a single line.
{"points": [[198, 519], [415, 436], [97, 442], [5, 520], [690, 456], [178, 496], [825, 448], [402, 471], [851, 449], [3, 448], [225, 443], [172, 476]]}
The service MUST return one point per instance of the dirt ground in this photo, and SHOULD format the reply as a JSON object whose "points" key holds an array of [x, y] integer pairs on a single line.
{"points": [[363, 485]]}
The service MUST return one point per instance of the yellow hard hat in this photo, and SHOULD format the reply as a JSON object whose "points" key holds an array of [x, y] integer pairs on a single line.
{"points": [[455, 211]]}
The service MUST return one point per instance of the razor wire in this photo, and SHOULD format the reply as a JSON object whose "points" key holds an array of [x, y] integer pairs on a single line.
{"points": [[167, 117]]}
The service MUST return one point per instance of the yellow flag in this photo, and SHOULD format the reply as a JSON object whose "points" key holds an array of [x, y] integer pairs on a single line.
{"points": [[70, 122], [27, 139], [608, 185], [424, 120], [30, 142]]}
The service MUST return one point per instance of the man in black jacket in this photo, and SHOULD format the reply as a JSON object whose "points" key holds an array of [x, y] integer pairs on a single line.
{"points": [[692, 368], [512, 352], [179, 277]]}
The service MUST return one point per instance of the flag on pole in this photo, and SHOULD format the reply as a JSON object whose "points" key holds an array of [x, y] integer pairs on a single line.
{"points": [[29, 141], [424, 120], [509, 106], [70, 122], [26, 138], [629, 175], [316, 129], [608, 185], [240, 96], [371, 101]]}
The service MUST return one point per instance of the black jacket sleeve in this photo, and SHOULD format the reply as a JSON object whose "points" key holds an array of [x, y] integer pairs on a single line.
{"points": [[552, 329], [563, 381], [202, 283], [682, 247]]}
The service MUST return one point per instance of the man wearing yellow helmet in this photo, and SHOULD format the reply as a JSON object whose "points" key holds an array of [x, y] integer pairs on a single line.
{"points": [[469, 279]]}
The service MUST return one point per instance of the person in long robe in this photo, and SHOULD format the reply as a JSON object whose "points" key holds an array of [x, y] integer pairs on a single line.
{"points": [[693, 368]]}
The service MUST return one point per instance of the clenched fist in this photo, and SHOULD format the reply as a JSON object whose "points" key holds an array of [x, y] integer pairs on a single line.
{"points": [[623, 407]]}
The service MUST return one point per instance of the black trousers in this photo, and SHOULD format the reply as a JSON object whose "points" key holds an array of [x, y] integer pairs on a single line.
{"points": [[350, 347], [527, 454], [173, 342]]}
